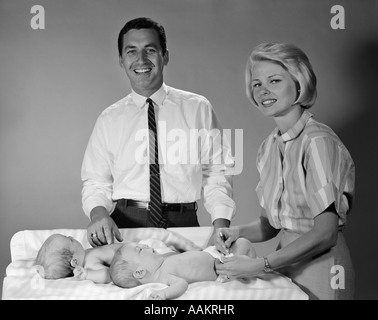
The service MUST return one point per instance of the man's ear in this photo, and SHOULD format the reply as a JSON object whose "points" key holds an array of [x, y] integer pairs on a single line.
{"points": [[120, 60], [139, 273], [166, 57]]}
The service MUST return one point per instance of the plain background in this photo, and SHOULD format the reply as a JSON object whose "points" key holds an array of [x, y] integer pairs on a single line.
{"points": [[55, 82]]}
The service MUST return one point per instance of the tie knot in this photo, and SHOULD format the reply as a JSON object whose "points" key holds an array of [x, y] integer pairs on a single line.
{"points": [[149, 101]]}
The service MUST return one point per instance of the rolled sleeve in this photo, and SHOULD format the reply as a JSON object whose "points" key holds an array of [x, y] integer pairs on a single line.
{"points": [[330, 177], [217, 161], [96, 173], [217, 193], [96, 195]]}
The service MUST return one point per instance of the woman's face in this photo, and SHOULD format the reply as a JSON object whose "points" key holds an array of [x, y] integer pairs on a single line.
{"points": [[273, 89]]}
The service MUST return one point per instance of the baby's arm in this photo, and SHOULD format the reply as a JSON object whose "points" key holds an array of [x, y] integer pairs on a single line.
{"points": [[173, 239], [176, 287], [98, 276], [180, 243]]}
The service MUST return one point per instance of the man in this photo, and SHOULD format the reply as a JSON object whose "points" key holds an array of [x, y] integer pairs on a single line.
{"points": [[130, 135]]}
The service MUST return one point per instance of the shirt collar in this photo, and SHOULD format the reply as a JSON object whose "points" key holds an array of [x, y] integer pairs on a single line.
{"points": [[158, 97], [296, 130]]}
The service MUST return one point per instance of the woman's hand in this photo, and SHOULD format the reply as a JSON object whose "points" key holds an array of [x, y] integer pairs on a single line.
{"points": [[239, 267], [224, 238]]}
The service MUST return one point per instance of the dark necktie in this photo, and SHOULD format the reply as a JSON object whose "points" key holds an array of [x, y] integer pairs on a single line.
{"points": [[156, 216]]}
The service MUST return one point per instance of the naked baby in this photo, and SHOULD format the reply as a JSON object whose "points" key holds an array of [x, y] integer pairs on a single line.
{"points": [[135, 264], [62, 256]]}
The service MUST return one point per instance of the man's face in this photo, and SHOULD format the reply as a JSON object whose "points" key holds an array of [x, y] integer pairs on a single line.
{"points": [[143, 60]]}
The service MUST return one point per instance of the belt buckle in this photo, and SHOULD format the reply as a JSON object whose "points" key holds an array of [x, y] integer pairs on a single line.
{"points": [[147, 205]]}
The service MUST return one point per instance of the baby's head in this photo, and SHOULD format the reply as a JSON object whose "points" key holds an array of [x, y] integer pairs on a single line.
{"points": [[134, 264], [59, 255]]}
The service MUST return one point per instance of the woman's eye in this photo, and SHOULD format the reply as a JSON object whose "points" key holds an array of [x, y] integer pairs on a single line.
{"points": [[256, 85], [275, 81]]}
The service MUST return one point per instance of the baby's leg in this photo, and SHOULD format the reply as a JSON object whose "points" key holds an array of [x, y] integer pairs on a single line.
{"points": [[243, 246]]}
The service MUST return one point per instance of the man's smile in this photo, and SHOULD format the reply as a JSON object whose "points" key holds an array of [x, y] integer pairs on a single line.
{"points": [[142, 70]]}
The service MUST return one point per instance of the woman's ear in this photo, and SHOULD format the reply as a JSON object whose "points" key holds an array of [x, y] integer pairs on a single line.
{"points": [[139, 273]]}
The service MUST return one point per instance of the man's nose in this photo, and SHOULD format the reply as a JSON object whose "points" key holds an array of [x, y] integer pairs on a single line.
{"points": [[142, 56]]}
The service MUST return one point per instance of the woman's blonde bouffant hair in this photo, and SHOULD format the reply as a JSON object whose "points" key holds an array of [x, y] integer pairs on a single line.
{"points": [[294, 61]]}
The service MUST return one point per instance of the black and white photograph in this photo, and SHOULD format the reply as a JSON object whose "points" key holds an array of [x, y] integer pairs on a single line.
{"points": [[208, 151]]}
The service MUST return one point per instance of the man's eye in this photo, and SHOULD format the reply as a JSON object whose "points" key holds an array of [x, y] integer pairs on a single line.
{"points": [[150, 51]]}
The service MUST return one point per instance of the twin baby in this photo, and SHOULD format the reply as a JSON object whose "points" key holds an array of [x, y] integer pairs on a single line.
{"points": [[128, 265]]}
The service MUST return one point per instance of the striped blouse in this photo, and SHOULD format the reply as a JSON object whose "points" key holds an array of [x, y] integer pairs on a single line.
{"points": [[302, 172]]}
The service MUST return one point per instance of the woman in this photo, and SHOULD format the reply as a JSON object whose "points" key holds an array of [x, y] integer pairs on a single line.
{"points": [[306, 185]]}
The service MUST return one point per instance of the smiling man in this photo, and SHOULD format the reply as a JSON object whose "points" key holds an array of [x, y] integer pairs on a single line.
{"points": [[120, 190], [143, 59]]}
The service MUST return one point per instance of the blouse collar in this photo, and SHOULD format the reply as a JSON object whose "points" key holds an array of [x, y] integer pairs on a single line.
{"points": [[296, 130]]}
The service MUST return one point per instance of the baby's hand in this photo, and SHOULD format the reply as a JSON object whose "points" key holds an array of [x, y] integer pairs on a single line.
{"points": [[80, 273], [157, 295]]}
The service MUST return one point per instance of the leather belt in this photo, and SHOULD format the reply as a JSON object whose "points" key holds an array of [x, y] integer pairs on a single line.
{"points": [[164, 206]]}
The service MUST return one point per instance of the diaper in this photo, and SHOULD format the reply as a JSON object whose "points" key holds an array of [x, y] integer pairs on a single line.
{"points": [[217, 255]]}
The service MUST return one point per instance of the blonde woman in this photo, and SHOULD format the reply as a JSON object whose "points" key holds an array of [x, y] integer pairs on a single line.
{"points": [[306, 185]]}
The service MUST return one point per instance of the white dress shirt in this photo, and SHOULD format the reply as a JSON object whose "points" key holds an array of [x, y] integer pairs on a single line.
{"points": [[115, 164]]}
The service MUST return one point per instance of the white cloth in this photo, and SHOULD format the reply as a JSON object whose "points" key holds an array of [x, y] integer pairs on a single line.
{"points": [[22, 281], [115, 164], [212, 250]]}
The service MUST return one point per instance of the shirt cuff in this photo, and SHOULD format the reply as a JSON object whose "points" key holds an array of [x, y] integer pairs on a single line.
{"points": [[89, 204], [222, 212]]}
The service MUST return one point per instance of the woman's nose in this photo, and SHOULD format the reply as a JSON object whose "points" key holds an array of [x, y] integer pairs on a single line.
{"points": [[264, 90]]}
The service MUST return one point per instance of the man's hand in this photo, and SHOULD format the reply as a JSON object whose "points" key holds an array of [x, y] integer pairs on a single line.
{"points": [[224, 238], [102, 228], [221, 223], [218, 223]]}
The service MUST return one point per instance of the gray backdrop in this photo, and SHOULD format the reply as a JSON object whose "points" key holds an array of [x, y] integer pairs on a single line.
{"points": [[56, 81]]}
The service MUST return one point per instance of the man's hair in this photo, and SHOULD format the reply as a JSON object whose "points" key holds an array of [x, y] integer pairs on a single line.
{"points": [[294, 61], [55, 262], [121, 272], [143, 23]]}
